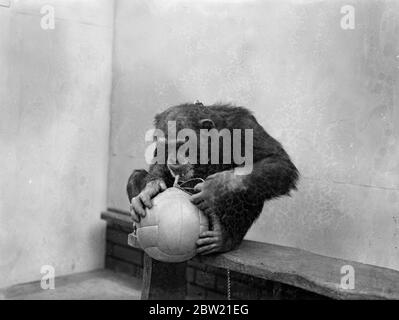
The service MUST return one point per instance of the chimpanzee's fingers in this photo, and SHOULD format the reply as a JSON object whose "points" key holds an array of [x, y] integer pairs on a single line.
{"points": [[162, 184], [145, 199], [210, 177], [209, 233], [133, 214], [153, 189], [202, 205], [203, 249], [197, 197], [208, 211], [199, 186], [214, 250], [138, 206], [208, 240], [215, 221], [135, 217]]}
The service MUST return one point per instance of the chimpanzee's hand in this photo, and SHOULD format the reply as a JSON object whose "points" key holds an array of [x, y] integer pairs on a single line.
{"points": [[143, 200], [216, 188], [212, 192], [215, 240]]}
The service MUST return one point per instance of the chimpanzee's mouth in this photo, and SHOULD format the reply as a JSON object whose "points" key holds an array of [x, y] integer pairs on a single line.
{"points": [[183, 171]]}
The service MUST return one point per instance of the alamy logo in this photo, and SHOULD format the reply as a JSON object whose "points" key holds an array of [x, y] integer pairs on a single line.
{"points": [[348, 278], [47, 22], [348, 18], [47, 281], [183, 147]]}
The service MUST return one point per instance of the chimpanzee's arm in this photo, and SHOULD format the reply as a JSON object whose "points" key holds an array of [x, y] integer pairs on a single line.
{"points": [[139, 179], [237, 200], [143, 186], [273, 173]]}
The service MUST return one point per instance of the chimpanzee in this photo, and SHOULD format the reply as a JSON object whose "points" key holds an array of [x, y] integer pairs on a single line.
{"points": [[232, 201]]}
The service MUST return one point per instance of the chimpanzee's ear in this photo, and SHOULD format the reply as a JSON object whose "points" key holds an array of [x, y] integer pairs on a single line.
{"points": [[207, 124]]}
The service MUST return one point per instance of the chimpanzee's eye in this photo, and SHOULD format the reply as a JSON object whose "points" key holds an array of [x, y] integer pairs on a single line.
{"points": [[206, 124]]}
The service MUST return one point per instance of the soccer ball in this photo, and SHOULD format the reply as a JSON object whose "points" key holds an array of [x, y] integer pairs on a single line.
{"points": [[170, 229]]}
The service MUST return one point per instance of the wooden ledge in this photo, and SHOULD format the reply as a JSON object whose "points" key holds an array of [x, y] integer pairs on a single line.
{"points": [[301, 269], [118, 217], [309, 271]]}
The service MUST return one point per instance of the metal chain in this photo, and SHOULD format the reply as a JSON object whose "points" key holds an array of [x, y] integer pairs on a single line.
{"points": [[228, 285]]}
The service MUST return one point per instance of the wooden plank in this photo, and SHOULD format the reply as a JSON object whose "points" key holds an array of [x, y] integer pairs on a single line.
{"points": [[163, 281], [309, 271], [304, 269], [117, 217]]}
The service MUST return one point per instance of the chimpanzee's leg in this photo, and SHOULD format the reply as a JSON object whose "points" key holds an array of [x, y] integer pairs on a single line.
{"points": [[136, 183]]}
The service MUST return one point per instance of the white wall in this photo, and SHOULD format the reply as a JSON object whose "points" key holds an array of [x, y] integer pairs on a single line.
{"points": [[329, 95], [54, 129]]}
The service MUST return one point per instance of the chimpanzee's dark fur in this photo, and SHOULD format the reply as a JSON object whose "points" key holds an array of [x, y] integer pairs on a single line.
{"points": [[273, 172]]}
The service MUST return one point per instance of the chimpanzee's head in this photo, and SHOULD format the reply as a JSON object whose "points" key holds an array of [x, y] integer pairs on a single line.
{"points": [[194, 117]]}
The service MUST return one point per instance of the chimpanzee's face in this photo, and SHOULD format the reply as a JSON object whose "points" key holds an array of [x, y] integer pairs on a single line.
{"points": [[176, 166], [178, 158], [195, 118]]}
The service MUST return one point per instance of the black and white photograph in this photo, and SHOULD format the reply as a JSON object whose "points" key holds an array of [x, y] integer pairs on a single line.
{"points": [[211, 151]]}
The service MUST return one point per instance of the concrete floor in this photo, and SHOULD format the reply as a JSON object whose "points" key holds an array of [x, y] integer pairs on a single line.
{"points": [[95, 285]]}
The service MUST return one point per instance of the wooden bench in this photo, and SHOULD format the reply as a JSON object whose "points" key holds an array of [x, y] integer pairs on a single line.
{"points": [[291, 266]]}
